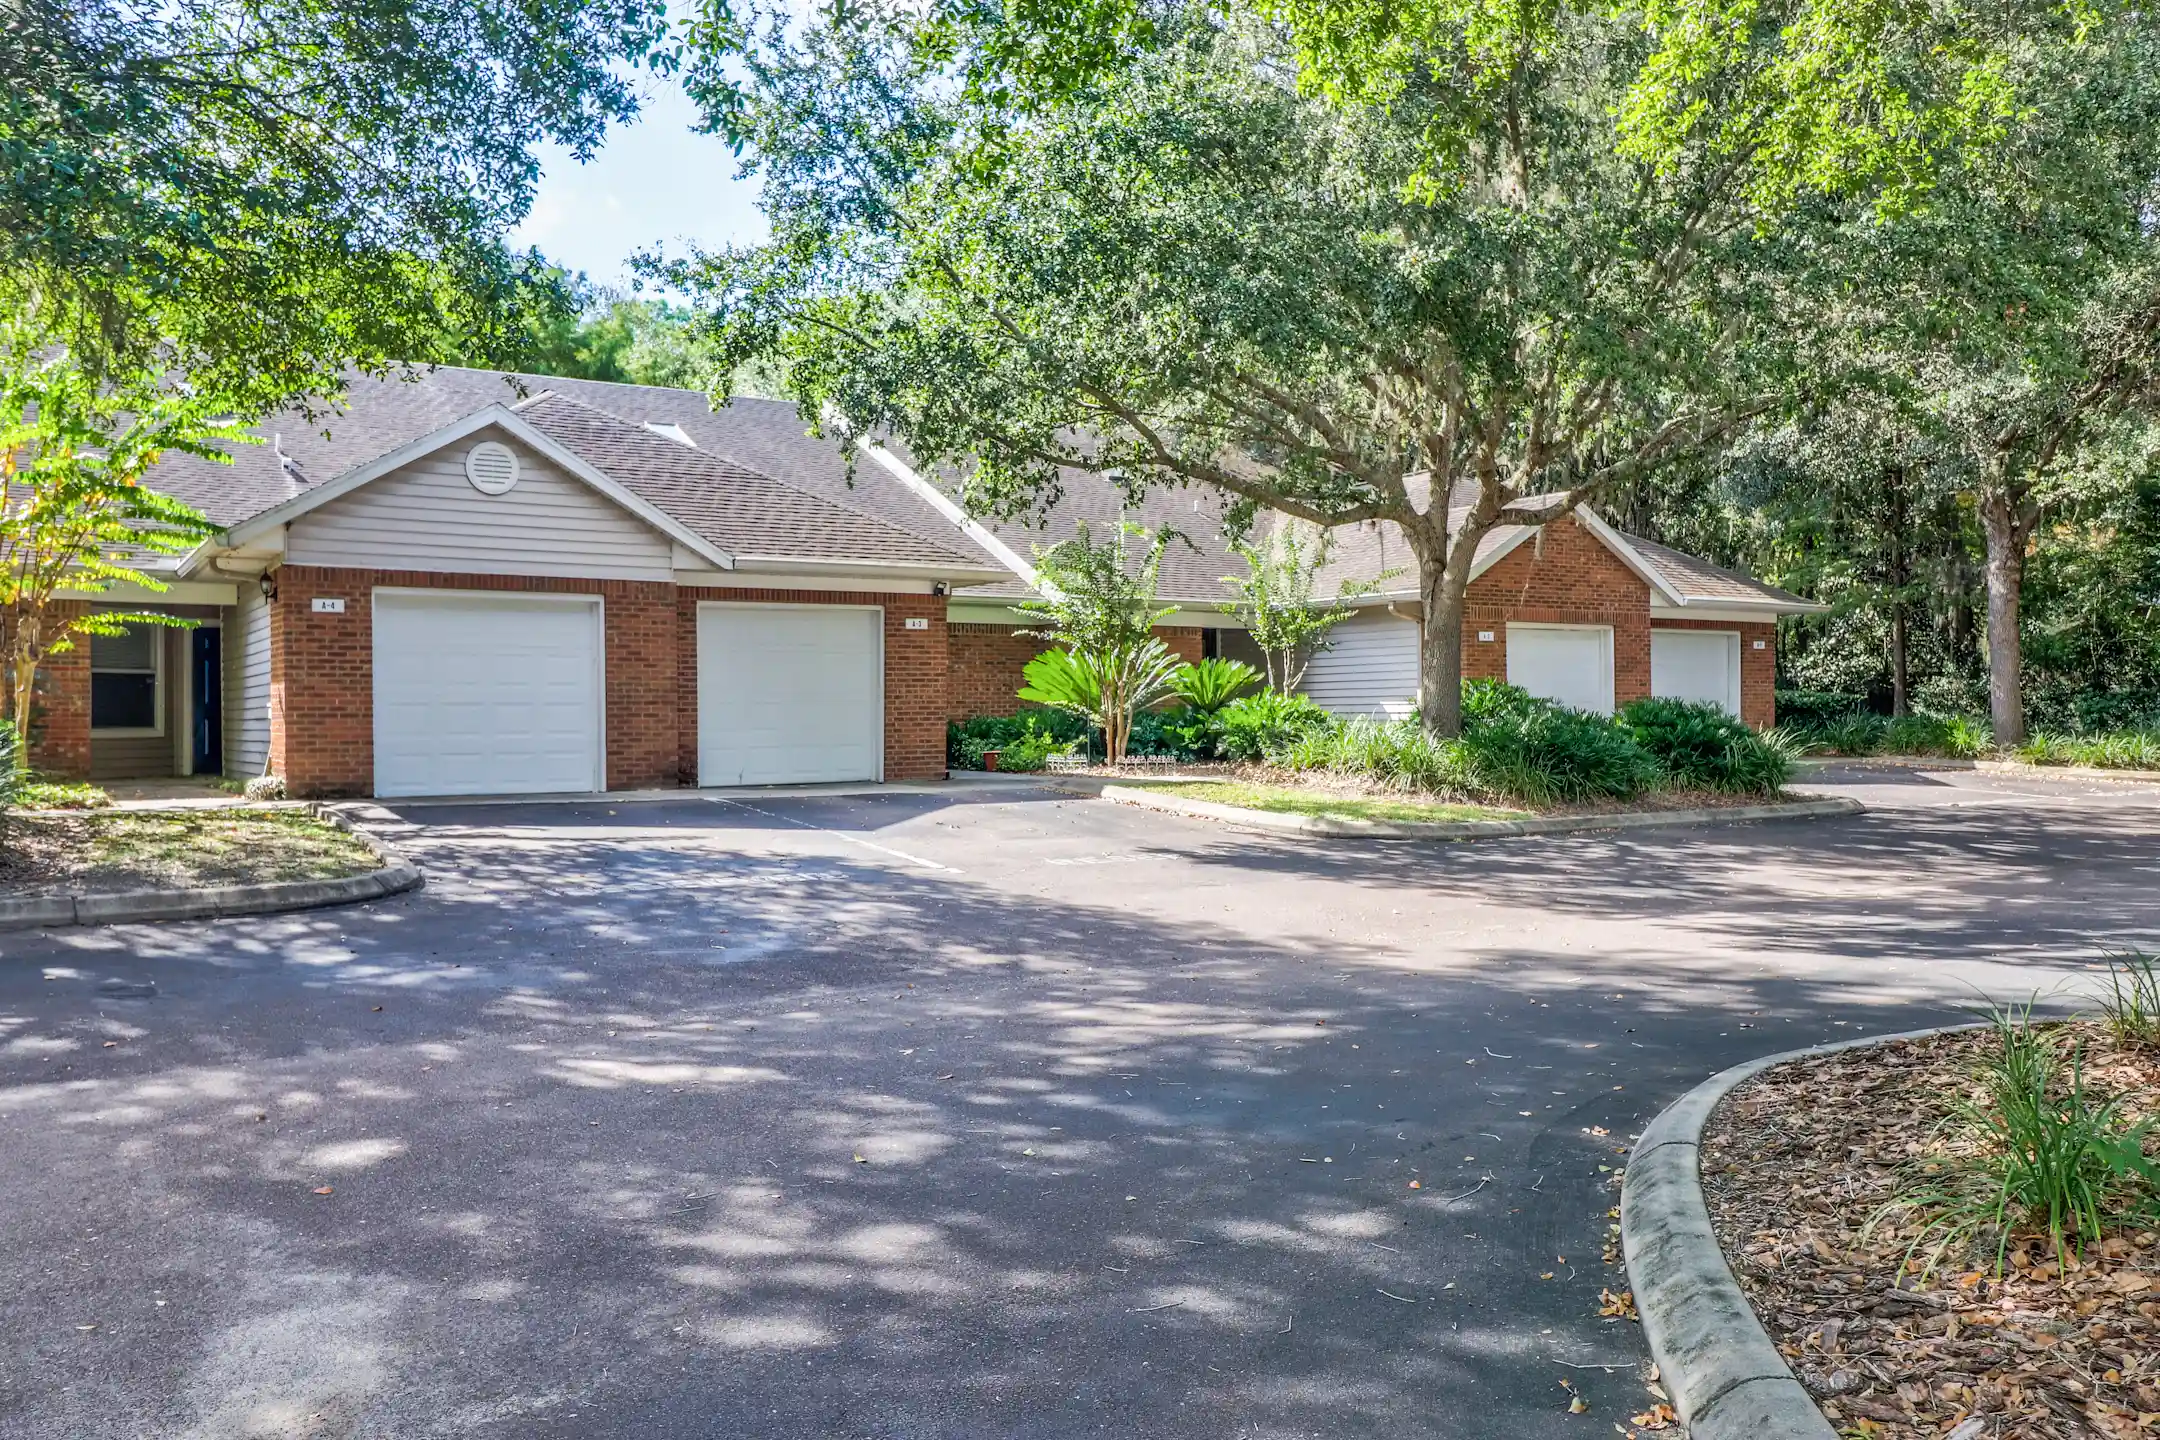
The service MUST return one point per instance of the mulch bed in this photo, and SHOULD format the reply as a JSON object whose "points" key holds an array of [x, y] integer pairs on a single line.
{"points": [[1796, 1163], [51, 852]]}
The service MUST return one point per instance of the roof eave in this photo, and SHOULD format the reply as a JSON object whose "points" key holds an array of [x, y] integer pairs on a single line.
{"points": [[957, 572]]}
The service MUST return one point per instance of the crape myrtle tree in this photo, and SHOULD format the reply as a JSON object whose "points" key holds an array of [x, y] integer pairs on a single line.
{"points": [[261, 192], [1444, 264]]}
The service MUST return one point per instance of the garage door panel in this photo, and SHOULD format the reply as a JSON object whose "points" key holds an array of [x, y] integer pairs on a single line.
{"points": [[1569, 665], [486, 696], [1698, 665], [789, 694]]}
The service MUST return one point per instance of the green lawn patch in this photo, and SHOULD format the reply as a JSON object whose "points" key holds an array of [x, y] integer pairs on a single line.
{"points": [[173, 849], [1298, 800]]}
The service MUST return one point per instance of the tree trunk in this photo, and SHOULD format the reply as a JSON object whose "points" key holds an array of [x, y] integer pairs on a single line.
{"points": [[1900, 667], [1443, 581], [1999, 521], [24, 679]]}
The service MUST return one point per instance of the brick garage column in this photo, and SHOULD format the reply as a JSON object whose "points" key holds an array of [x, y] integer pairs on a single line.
{"points": [[916, 671], [915, 677], [59, 738], [644, 714], [322, 682], [1187, 642]]}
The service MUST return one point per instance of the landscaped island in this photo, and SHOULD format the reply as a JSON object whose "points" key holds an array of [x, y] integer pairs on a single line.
{"points": [[48, 852], [1958, 1235], [1516, 753]]}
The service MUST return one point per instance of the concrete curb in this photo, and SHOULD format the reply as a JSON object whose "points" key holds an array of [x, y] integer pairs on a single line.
{"points": [[1339, 828], [2067, 772], [115, 907], [1882, 762], [1726, 1378]]}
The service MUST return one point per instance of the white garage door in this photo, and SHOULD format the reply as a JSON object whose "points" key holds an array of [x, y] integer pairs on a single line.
{"points": [[1568, 664], [487, 694], [789, 694], [1701, 665]]}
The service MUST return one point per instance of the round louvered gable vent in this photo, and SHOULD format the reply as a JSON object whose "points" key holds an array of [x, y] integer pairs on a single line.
{"points": [[492, 467]]}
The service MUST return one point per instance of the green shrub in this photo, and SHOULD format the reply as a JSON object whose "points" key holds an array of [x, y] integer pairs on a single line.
{"points": [[1531, 750], [1966, 738], [966, 740], [1856, 734], [1816, 709], [2101, 712], [1862, 733], [1208, 685], [1030, 752], [2132, 1004], [1484, 700], [2129, 750], [2053, 1157], [1702, 747], [1180, 733], [61, 795], [1395, 754], [1259, 726]]}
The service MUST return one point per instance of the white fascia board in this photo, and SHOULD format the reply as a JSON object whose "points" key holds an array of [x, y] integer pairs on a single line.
{"points": [[941, 502], [976, 610], [1742, 612], [177, 592], [897, 569], [497, 415]]}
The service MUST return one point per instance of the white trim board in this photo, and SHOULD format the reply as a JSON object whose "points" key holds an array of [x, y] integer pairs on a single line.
{"points": [[939, 501]]}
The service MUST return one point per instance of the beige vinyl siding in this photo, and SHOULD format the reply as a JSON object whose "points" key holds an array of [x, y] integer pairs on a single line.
{"points": [[1372, 668], [246, 658], [427, 516]]}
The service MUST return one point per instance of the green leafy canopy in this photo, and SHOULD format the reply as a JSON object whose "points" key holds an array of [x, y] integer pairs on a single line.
{"points": [[266, 190]]}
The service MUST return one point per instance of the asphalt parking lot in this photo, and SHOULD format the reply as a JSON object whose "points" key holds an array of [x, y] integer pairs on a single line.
{"points": [[982, 1112]]}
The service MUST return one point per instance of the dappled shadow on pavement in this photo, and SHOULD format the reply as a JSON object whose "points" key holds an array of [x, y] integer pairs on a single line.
{"points": [[659, 1131]]}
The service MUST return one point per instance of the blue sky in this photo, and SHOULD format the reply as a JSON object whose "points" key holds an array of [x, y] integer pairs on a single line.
{"points": [[654, 183]]}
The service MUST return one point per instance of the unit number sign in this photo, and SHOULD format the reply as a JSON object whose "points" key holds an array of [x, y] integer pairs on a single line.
{"points": [[329, 607], [916, 622]]}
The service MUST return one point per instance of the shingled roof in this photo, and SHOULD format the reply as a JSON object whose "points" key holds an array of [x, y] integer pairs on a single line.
{"points": [[748, 514], [734, 506]]}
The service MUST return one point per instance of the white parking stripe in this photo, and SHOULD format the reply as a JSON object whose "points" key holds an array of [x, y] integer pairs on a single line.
{"points": [[837, 835]]}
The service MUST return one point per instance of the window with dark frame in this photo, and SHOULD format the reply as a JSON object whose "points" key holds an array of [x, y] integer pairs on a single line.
{"points": [[124, 679]]}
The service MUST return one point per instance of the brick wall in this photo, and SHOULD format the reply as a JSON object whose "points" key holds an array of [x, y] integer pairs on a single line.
{"points": [[985, 663], [983, 669], [1566, 578], [1758, 668], [60, 705], [322, 678], [916, 663]]}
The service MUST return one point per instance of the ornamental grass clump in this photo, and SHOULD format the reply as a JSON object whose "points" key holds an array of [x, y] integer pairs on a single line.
{"points": [[2040, 1153], [2132, 1005], [2126, 750], [1390, 754]]}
